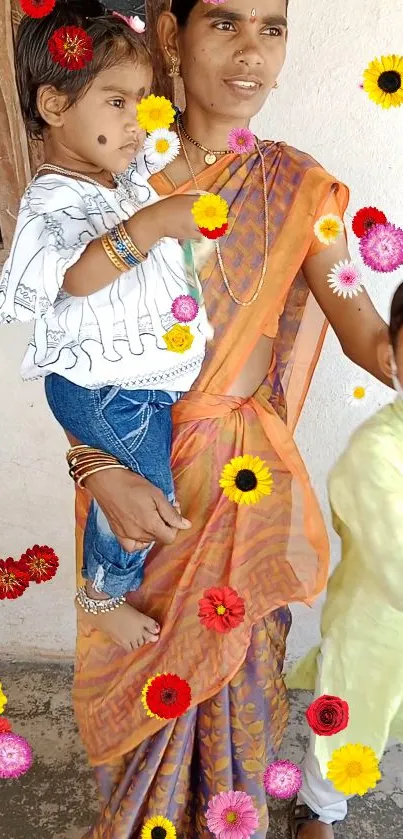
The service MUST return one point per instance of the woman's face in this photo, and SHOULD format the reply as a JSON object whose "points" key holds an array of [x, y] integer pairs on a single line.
{"points": [[231, 55]]}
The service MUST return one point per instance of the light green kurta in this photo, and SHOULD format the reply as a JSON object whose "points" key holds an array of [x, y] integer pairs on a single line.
{"points": [[362, 619]]}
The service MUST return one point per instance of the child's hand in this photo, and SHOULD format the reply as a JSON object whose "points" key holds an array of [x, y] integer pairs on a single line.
{"points": [[174, 218]]}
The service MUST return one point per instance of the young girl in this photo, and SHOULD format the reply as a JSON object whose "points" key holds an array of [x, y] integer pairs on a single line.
{"points": [[361, 655], [117, 336]]}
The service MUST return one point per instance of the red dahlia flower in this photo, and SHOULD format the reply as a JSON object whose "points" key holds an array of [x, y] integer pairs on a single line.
{"points": [[214, 234], [366, 218], [328, 715], [37, 8], [221, 609], [14, 580], [71, 47], [40, 563]]}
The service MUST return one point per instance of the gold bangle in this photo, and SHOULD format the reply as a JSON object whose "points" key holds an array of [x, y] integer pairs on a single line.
{"points": [[82, 478], [134, 250], [75, 472], [84, 451], [112, 255]]}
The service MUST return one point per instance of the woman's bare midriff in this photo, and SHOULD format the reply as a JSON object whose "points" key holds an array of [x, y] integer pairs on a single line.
{"points": [[254, 371]]}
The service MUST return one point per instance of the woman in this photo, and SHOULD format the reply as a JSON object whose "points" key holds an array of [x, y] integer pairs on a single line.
{"points": [[269, 330]]}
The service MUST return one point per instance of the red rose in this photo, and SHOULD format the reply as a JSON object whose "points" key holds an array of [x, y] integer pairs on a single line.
{"points": [[328, 715], [14, 580]]}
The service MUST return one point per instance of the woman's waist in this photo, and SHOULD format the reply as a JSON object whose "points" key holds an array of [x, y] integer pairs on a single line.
{"points": [[197, 405]]}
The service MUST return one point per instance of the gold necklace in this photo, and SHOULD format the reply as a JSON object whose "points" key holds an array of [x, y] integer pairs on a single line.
{"points": [[244, 303], [210, 155], [61, 171]]}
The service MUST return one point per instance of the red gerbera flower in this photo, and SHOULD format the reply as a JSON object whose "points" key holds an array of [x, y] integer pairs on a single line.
{"points": [[37, 8], [40, 563], [221, 609], [214, 234], [5, 725], [71, 47], [13, 579], [166, 696], [366, 218]]}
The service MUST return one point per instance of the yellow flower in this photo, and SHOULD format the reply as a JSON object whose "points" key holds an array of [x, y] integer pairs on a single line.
{"points": [[210, 211], [3, 700], [149, 832], [383, 81], [328, 228], [246, 479], [155, 112], [179, 338], [354, 769]]}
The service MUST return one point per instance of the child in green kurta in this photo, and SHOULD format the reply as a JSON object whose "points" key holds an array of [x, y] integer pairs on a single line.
{"points": [[360, 658]]}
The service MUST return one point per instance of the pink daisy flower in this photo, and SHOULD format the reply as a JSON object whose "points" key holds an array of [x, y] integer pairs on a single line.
{"points": [[382, 247], [215, 2], [15, 755], [241, 141], [282, 779], [184, 308], [232, 815], [345, 279]]}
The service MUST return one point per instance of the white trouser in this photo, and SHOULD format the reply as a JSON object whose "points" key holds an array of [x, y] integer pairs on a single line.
{"points": [[320, 794], [317, 792]]}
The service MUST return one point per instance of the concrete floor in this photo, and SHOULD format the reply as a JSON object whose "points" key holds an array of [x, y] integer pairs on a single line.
{"points": [[56, 799]]}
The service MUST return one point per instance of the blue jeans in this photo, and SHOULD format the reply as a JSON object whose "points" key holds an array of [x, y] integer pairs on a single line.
{"points": [[135, 426]]}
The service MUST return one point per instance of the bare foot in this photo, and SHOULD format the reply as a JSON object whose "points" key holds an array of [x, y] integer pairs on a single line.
{"points": [[125, 625], [315, 830]]}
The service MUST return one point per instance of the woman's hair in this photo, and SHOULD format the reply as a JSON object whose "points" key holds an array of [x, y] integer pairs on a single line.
{"points": [[396, 316], [182, 9], [113, 42]]}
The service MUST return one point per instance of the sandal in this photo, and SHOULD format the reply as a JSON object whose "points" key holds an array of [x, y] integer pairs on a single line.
{"points": [[302, 815]]}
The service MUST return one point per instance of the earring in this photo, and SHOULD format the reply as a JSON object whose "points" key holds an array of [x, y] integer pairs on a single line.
{"points": [[275, 86], [174, 70]]}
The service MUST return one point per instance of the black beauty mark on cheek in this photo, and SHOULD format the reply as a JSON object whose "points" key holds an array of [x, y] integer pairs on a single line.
{"points": [[102, 140]]}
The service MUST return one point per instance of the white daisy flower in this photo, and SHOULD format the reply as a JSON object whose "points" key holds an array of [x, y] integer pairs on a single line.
{"points": [[345, 279], [161, 147], [357, 393]]}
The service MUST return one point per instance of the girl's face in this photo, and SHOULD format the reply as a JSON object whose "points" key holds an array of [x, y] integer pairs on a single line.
{"points": [[231, 54]]}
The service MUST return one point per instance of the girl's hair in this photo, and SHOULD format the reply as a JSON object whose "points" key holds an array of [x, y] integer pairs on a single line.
{"points": [[113, 42], [396, 316], [182, 9]]}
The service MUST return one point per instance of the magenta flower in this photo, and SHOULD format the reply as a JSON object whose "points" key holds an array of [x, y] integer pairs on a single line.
{"points": [[184, 308], [215, 2], [15, 755], [232, 815], [282, 779], [382, 247], [241, 141]]}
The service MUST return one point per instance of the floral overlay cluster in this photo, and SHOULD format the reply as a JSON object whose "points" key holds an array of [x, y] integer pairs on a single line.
{"points": [[16, 756], [37, 565], [354, 768]]}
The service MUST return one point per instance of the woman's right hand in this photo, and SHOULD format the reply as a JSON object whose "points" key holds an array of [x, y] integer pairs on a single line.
{"points": [[171, 217], [138, 513]]}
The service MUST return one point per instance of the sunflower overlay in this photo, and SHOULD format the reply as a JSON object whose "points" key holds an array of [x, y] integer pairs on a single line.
{"points": [[246, 479]]}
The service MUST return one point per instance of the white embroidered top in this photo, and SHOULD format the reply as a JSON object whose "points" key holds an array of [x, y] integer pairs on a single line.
{"points": [[114, 336]]}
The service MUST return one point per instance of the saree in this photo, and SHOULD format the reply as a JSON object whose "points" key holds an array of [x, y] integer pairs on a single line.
{"points": [[271, 554]]}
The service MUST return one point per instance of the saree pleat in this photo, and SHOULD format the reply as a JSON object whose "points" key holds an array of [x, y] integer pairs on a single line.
{"points": [[272, 553]]}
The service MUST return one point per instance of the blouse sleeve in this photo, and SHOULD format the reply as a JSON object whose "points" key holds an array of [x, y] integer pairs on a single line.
{"points": [[366, 493], [53, 229]]}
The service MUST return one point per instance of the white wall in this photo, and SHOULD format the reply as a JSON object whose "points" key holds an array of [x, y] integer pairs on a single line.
{"points": [[319, 108]]}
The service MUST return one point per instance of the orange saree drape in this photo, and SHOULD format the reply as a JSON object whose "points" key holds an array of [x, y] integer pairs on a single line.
{"points": [[273, 553]]}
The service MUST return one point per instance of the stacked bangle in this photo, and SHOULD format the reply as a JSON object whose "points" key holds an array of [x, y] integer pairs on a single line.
{"points": [[120, 248], [84, 461]]}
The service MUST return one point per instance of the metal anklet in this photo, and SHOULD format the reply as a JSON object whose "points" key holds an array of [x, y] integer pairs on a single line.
{"points": [[96, 607]]}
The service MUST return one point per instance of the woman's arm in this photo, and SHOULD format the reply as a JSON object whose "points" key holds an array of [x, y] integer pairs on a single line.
{"points": [[138, 512], [355, 321]]}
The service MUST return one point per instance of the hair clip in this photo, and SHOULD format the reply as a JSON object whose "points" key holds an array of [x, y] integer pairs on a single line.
{"points": [[134, 22]]}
